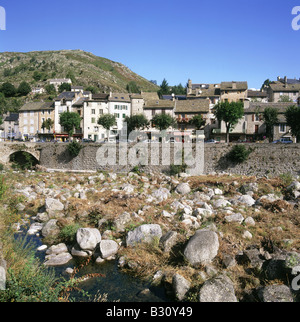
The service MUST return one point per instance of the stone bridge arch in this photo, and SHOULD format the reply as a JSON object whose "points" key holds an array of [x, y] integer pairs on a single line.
{"points": [[7, 149]]}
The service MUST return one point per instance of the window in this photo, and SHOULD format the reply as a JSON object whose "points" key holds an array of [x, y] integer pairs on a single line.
{"points": [[257, 118], [101, 112], [124, 115], [31, 130], [93, 111], [25, 130], [282, 128], [93, 120]]}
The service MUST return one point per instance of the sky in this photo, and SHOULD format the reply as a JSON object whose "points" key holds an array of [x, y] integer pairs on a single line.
{"points": [[205, 41]]}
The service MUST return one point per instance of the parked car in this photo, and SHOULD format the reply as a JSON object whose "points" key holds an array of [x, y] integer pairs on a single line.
{"points": [[283, 140], [211, 141], [87, 141]]}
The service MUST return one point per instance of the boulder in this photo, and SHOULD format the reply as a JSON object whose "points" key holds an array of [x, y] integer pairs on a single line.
{"points": [[88, 238], [275, 293], [53, 205], [202, 248], [161, 194], [57, 249], [121, 221], [180, 286], [108, 248], [144, 233], [238, 217], [58, 259], [35, 228], [168, 240], [218, 289], [183, 188], [247, 200], [50, 228]]}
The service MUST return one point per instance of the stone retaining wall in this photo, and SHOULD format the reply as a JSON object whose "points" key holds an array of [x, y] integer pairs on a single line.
{"points": [[265, 159]]}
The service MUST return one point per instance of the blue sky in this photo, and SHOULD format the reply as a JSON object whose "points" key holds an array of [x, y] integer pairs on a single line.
{"points": [[206, 41]]}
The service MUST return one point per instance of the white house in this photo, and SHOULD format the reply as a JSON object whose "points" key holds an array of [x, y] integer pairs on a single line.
{"points": [[93, 108], [119, 105]]}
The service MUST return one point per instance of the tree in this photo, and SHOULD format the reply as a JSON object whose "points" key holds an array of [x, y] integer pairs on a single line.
{"points": [[230, 113], [24, 89], [47, 124], [197, 121], [70, 120], [164, 121], [50, 89], [178, 90], [266, 83], [164, 88], [64, 87], [292, 116], [107, 121], [270, 117], [37, 76], [136, 122], [92, 89], [8, 89], [132, 87]]}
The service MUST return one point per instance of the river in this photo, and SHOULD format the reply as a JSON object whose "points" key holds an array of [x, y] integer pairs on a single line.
{"points": [[118, 285]]}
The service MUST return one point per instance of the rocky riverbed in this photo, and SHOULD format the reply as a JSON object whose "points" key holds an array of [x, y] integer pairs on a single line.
{"points": [[216, 238]]}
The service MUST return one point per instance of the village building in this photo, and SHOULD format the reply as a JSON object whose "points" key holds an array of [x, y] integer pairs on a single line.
{"points": [[233, 91], [31, 118]]}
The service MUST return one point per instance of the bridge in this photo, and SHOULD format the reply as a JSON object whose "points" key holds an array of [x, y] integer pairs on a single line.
{"points": [[9, 148]]}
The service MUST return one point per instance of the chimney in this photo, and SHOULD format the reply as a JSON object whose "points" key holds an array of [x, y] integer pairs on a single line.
{"points": [[233, 85], [285, 80]]}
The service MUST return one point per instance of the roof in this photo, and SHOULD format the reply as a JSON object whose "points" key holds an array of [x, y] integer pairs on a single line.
{"points": [[66, 95], [77, 87], [101, 96], [150, 96], [192, 106], [257, 94], [119, 97], [136, 96], [13, 117], [289, 80], [233, 86], [159, 104], [80, 102], [37, 106], [170, 97], [255, 107], [280, 87]]}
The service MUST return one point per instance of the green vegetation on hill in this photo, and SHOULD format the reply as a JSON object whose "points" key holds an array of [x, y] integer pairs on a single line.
{"points": [[83, 68]]}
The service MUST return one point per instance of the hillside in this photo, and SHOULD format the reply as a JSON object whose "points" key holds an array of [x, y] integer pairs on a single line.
{"points": [[85, 69]]}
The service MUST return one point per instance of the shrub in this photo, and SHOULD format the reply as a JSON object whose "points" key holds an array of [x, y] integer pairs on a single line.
{"points": [[74, 148], [176, 169], [68, 233], [239, 154]]}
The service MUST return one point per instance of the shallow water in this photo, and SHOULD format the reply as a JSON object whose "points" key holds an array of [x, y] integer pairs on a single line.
{"points": [[117, 285]]}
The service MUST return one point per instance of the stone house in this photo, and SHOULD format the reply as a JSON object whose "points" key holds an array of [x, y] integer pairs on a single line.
{"points": [[255, 127], [159, 106], [185, 110], [211, 92], [278, 89], [234, 91], [257, 96]]}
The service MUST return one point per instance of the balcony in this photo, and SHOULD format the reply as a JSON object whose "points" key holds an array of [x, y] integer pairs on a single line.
{"points": [[183, 119]]}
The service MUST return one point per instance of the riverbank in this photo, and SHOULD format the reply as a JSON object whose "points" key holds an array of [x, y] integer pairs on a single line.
{"points": [[189, 235]]}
